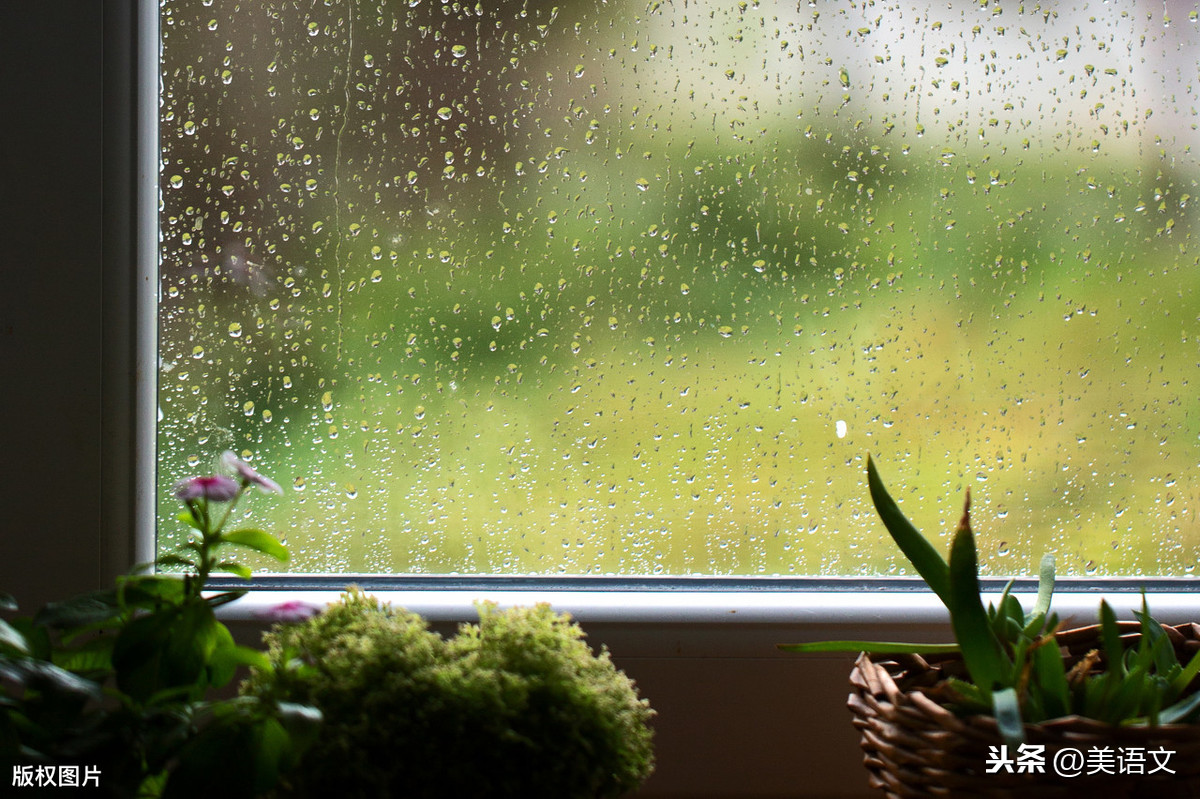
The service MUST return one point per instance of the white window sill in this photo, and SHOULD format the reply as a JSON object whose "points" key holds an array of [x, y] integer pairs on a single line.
{"points": [[730, 623]]}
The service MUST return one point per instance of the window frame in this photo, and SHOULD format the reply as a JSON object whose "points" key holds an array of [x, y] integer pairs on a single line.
{"points": [[765, 608]]}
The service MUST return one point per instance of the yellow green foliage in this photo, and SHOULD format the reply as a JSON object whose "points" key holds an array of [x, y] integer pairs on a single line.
{"points": [[515, 706]]}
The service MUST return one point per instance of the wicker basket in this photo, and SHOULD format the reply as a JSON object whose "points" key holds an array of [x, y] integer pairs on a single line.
{"points": [[914, 747]]}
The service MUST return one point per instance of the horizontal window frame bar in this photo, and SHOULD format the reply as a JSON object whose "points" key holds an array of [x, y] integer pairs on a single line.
{"points": [[687, 618], [693, 584]]}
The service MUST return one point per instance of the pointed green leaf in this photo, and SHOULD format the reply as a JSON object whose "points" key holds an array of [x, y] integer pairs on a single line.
{"points": [[1181, 681], [224, 598], [1110, 636], [7, 601], [980, 649], [920, 553], [971, 694], [1011, 618], [996, 613], [257, 540], [1128, 696], [1180, 711], [1164, 658], [1051, 680]]}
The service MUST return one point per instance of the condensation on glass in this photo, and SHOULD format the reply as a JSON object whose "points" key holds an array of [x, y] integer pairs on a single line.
{"points": [[633, 288]]}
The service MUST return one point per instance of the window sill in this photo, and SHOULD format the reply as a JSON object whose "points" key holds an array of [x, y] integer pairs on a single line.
{"points": [[744, 624]]}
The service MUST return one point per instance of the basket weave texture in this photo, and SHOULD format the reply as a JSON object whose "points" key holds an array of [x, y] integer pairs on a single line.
{"points": [[915, 747]]}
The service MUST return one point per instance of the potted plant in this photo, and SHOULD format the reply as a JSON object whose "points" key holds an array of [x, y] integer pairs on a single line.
{"points": [[1017, 705], [115, 690], [515, 706]]}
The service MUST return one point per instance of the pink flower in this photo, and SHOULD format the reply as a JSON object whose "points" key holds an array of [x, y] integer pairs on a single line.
{"points": [[216, 487], [292, 611], [247, 474]]}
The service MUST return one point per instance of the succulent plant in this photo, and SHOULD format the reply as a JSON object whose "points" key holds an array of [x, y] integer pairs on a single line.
{"points": [[1017, 670]]}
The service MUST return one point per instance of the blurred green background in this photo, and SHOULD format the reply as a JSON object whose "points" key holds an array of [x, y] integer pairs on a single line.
{"points": [[634, 288]]}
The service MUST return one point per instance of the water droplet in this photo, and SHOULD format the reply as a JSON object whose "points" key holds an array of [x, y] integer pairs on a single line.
{"points": [[235, 329]]}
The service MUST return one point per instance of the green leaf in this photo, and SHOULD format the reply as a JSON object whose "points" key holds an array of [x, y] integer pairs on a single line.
{"points": [[1051, 680], [1035, 625], [1185, 677], [224, 598], [1165, 658], [12, 640], [971, 694], [875, 647], [188, 518], [1110, 636], [165, 653], [171, 559], [93, 655], [1007, 710], [223, 659], [980, 649], [7, 601], [257, 540], [238, 569], [1128, 696], [45, 677], [1179, 711], [80, 611], [1041, 605], [1010, 621], [149, 591], [920, 553]]}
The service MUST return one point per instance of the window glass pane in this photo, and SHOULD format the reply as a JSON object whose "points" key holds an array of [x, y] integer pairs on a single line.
{"points": [[632, 288]]}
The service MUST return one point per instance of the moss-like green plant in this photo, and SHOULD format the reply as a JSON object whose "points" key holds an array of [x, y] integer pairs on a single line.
{"points": [[515, 706]]}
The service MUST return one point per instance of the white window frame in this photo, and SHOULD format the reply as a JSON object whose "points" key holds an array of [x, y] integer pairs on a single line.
{"points": [[743, 618]]}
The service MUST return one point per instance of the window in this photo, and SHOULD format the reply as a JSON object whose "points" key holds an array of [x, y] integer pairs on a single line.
{"points": [[632, 290]]}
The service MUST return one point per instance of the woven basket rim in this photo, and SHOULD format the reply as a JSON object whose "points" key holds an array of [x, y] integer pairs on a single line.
{"points": [[915, 746]]}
